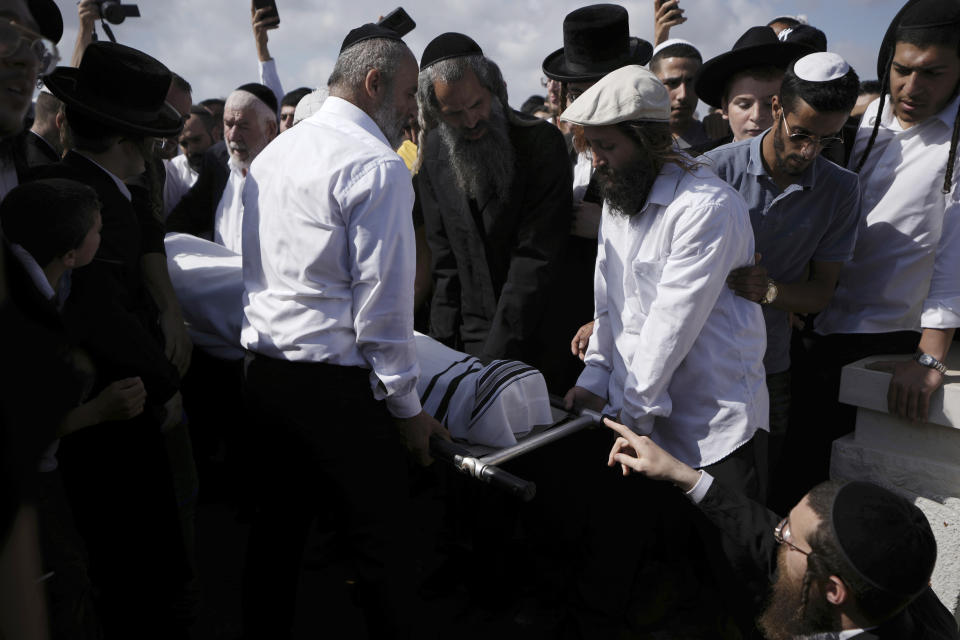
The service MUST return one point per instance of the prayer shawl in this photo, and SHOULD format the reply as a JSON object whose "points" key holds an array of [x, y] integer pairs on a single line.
{"points": [[488, 405]]}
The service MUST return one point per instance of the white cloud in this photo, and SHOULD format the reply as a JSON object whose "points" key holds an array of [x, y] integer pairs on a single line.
{"points": [[210, 43]]}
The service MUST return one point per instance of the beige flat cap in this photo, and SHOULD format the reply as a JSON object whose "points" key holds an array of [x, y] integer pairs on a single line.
{"points": [[629, 93]]}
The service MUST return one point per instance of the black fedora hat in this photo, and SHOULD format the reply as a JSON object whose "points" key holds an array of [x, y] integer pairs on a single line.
{"points": [[596, 41], [120, 87], [758, 47], [47, 15], [916, 14]]}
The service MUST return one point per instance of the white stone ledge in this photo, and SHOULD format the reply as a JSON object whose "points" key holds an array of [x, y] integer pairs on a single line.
{"points": [[866, 388]]}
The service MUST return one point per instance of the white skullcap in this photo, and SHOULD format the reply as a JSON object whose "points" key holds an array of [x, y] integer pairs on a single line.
{"points": [[309, 104], [672, 41], [629, 93], [820, 67]]}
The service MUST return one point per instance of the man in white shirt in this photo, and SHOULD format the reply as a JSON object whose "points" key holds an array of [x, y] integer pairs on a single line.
{"points": [[328, 269], [675, 353], [212, 209], [901, 291]]}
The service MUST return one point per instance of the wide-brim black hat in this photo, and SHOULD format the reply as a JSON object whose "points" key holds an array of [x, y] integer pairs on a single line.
{"points": [[120, 87], [596, 41], [758, 47], [47, 15], [916, 14]]}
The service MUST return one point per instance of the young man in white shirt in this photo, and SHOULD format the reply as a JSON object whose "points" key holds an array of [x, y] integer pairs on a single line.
{"points": [[901, 291], [675, 353], [328, 270]]}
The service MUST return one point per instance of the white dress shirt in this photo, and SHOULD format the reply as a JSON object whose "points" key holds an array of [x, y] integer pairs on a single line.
{"points": [[673, 349], [228, 219], [329, 255], [905, 272], [271, 79], [180, 177]]}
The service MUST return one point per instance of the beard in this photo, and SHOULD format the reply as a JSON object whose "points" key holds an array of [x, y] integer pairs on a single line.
{"points": [[785, 617], [483, 167], [626, 188], [391, 122], [792, 164]]}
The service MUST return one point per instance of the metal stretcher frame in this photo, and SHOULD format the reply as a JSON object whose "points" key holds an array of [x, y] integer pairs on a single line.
{"points": [[482, 462]]}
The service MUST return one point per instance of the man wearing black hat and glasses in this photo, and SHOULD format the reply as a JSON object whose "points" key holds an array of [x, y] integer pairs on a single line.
{"points": [[851, 560], [118, 474], [328, 270], [900, 292], [494, 188]]}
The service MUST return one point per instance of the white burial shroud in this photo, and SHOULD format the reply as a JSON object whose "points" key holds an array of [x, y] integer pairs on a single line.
{"points": [[489, 405]]}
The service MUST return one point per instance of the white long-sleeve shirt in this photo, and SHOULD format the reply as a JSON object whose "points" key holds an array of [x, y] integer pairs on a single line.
{"points": [[329, 255], [905, 272], [673, 349]]}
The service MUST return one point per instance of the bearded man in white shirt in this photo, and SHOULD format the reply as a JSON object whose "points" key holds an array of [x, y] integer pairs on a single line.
{"points": [[328, 270], [901, 291], [675, 353], [212, 209]]}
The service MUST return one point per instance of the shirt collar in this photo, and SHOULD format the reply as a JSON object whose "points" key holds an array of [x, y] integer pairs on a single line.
{"points": [[122, 187], [349, 111], [234, 166], [947, 115], [664, 187], [34, 270], [755, 166]]}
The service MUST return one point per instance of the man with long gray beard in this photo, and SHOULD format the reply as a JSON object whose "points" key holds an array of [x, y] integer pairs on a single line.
{"points": [[495, 189], [328, 273]]}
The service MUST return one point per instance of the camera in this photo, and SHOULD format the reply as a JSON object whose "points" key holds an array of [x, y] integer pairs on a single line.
{"points": [[115, 12]]}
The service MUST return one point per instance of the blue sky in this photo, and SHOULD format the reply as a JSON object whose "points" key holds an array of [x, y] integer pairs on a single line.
{"points": [[210, 42]]}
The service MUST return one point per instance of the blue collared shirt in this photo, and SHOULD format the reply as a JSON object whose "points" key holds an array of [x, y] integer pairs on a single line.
{"points": [[814, 219]]}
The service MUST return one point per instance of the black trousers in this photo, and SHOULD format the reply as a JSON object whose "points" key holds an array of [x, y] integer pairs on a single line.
{"points": [[118, 479], [320, 436]]}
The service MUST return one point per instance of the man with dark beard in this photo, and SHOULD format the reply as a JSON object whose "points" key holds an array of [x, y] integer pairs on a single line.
{"points": [[496, 198], [803, 208], [674, 352], [851, 559]]}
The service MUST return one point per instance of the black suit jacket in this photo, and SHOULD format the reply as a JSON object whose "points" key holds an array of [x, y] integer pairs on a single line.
{"points": [[748, 526], [109, 311], [492, 279], [195, 212]]}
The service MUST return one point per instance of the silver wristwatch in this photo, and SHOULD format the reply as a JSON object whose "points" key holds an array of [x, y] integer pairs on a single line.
{"points": [[772, 292], [928, 360]]}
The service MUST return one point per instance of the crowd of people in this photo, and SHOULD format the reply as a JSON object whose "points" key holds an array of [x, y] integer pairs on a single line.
{"points": [[698, 282]]}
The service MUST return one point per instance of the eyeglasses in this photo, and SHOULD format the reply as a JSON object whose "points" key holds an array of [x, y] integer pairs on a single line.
{"points": [[13, 34], [781, 534], [803, 139]]}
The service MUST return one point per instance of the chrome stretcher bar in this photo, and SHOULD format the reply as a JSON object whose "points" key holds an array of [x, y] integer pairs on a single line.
{"points": [[485, 467]]}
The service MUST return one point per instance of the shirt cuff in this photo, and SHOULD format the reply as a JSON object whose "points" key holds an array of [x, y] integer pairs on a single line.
{"points": [[941, 314], [404, 405], [595, 380], [699, 491]]}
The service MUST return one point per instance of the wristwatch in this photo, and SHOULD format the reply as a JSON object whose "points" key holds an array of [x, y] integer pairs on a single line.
{"points": [[772, 292], [928, 360]]}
